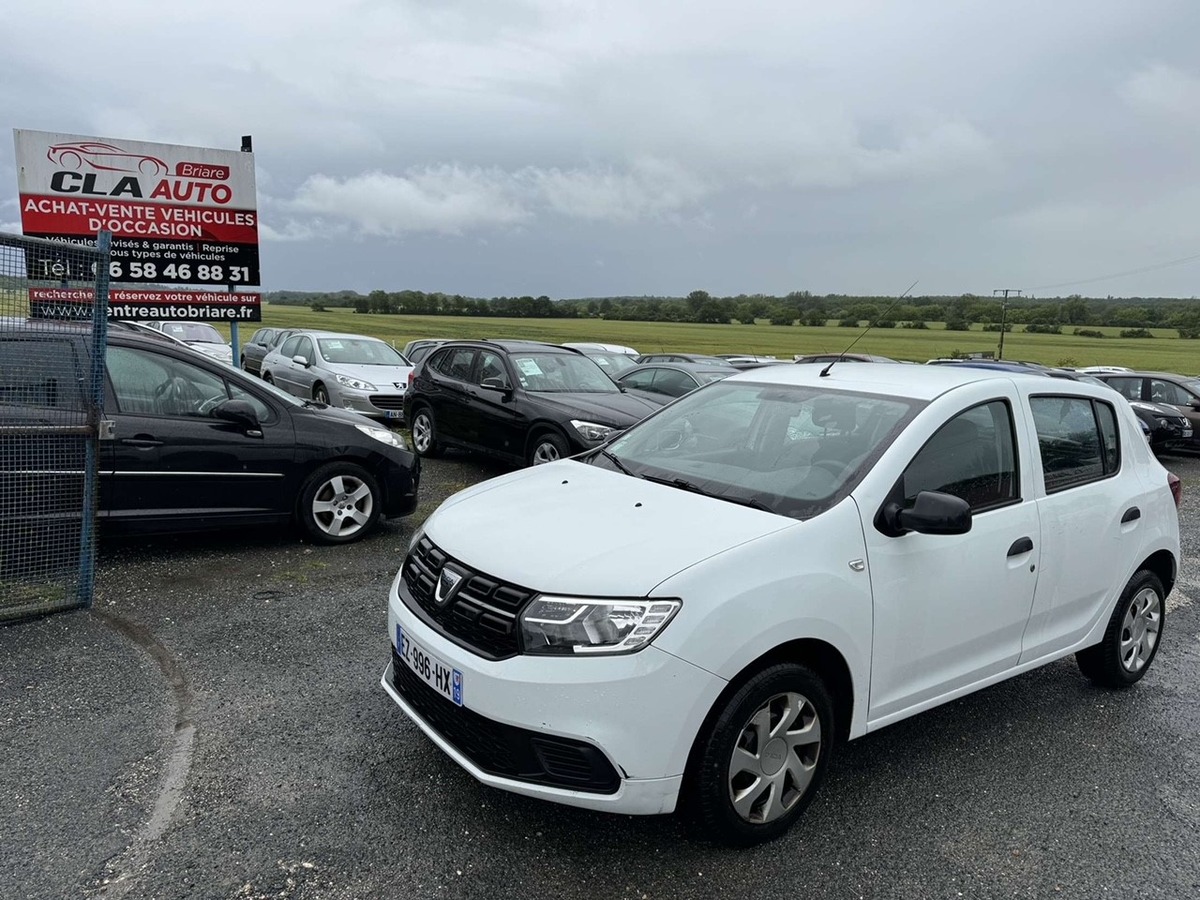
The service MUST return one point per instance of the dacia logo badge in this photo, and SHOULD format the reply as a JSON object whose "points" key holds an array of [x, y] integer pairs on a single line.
{"points": [[447, 586]]}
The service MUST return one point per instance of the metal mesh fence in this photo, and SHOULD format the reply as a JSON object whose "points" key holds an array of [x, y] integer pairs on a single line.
{"points": [[53, 297]]}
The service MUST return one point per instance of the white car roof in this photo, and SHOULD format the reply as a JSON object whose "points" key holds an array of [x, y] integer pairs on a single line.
{"points": [[890, 379]]}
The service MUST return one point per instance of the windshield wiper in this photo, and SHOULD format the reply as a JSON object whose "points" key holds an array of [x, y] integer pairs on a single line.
{"points": [[684, 485], [616, 462]]}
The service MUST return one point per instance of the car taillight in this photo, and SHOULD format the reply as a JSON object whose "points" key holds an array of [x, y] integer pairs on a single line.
{"points": [[412, 374], [1176, 487]]}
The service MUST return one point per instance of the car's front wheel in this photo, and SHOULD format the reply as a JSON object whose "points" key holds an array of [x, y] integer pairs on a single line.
{"points": [[266, 376], [339, 503], [320, 394], [547, 447], [1131, 639], [762, 758], [424, 433]]}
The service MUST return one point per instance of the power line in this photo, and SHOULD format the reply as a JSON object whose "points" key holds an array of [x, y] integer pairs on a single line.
{"points": [[1142, 270]]}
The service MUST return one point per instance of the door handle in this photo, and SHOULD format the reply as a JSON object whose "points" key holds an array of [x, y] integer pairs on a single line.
{"points": [[1019, 546], [141, 442], [1131, 515]]}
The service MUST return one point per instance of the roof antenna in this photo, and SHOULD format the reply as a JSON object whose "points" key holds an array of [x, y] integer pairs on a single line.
{"points": [[879, 318]]}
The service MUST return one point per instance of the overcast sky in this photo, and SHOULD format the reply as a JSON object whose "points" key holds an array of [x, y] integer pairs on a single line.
{"points": [[611, 147]]}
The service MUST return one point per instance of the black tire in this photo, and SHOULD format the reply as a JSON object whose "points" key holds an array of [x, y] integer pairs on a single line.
{"points": [[545, 447], [266, 376], [1133, 635], [320, 394], [780, 691], [243, 363], [424, 433], [339, 503]]}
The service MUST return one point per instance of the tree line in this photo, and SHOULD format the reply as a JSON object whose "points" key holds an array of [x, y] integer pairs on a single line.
{"points": [[1074, 314]]}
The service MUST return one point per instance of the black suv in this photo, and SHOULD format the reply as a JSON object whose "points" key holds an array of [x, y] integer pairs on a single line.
{"points": [[200, 445], [521, 401]]}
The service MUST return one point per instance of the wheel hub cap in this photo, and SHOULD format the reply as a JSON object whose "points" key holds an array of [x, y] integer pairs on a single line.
{"points": [[775, 758], [1139, 630], [774, 755]]}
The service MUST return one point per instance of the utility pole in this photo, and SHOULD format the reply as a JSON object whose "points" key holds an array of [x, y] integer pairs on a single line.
{"points": [[1004, 314]]}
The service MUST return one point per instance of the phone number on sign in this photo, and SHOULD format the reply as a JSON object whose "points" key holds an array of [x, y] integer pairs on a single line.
{"points": [[135, 271]]}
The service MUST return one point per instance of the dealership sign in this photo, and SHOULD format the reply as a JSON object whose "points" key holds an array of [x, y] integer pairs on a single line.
{"points": [[178, 215]]}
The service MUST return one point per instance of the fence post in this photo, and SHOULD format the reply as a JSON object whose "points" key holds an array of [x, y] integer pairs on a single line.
{"points": [[95, 401]]}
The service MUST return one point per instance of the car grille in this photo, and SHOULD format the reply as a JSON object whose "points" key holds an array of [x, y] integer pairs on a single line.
{"points": [[388, 401], [506, 750], [482, 614]]}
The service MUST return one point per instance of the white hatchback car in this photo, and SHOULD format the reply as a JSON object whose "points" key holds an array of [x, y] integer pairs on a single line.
{"points": [[691, 616]]}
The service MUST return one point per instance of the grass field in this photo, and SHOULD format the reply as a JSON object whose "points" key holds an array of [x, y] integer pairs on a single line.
{"points": [[1165, 352]]}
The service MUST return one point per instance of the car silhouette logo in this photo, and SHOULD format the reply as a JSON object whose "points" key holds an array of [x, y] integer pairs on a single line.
{"points": [[104, 158], [447, 586]]}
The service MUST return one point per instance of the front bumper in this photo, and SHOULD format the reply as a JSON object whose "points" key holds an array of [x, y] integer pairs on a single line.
{"points": [[638, 713], [400, 482], [380, 404]]}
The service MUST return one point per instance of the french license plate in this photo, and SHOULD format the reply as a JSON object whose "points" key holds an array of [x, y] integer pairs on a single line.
{"points": [[1187, 432], [442, 678], [393, 414]]}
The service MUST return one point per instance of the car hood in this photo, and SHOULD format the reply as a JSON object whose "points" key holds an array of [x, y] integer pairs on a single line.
{"points": [[211, 348], [335, 414], [383, 377], [1157, 409], [621, 410], [571, 528]]}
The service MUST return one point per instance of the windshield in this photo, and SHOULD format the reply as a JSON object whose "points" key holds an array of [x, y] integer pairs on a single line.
{"points": [[795, 450], [192, 331], [360, 352], [561, 373]]}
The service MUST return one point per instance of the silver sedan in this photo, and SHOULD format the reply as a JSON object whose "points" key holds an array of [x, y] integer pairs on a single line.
{"points": [[349, 371]]}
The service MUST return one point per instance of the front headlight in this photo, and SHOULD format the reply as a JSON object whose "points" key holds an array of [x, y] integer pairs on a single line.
{"points": [[559, 626], [592, 431], [383, 435], [357, 383]]}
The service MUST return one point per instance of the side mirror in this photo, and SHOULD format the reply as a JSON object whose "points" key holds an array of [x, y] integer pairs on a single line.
{"points": [[239, 412], [1195, 404], [931, 513], [301, 360], [495, 384]]}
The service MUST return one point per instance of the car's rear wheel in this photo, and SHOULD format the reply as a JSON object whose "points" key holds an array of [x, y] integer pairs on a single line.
{"points": [[340, 503], [424, 433], [547, 447], [320, 394], [762, 758], [1131, 640]]}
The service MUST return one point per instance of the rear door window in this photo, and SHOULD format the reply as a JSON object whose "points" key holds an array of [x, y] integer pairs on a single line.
{"points": [[1077, 439], [40, 373], [1129, 388]]}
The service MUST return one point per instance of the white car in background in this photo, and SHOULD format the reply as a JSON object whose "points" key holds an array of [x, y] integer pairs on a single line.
{"points": [[349, 371], [693, 615], [200, 336], [603, 348]]}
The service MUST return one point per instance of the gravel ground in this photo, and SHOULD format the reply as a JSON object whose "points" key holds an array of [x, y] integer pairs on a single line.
{"points": [[214, 727]]}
